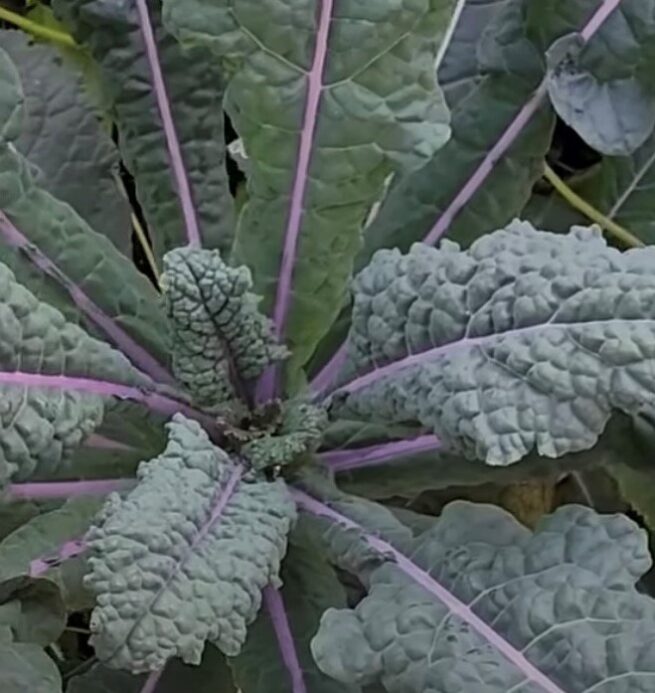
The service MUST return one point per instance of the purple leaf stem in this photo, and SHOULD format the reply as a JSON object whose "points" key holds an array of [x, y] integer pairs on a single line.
{"points": [[278, 614], [508, 137], [149, 398], [267, 385], [99, 442], [72, 548], [325, 379], [172, 141], [344, 460], [133, 351], [67, 489], [425, 580], [152, 681]]}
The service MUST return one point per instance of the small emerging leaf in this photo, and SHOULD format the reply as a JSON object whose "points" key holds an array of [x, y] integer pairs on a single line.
{"points": [[221, 342]]}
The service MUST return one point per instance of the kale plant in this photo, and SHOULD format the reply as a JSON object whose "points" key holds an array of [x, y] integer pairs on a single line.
{"points": [[250, 391]]}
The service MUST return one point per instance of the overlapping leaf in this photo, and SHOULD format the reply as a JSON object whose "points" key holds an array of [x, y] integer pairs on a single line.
{"points": [[75, 264], [328, 98], [192, 90], [62, 136], [41, 425], [528, 341], [184, 557], [478, 600]]}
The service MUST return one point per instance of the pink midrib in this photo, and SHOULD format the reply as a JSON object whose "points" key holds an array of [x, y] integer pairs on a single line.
{"points": [[421, 577], [267, 385], [139, 356], [278, 615], [170, 132], [104, 388]]}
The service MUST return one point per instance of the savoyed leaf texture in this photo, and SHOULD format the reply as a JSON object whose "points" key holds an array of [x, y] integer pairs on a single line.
{"points": [[329, 98], [40, 427], [478, 602], [221, 342], [74, 263], [63, 137], [183, 558], [167, 104], [527, 341]]}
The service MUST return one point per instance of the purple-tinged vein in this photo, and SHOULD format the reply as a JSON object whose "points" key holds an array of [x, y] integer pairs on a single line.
{"points": [[67, 550], [67, 489], [219, 502], [327, 376], [422, 357], [151, 682], [153, 400], [280, 621], [267, 385], [170, 132], [100, 442], [425, 580], [126, 344], [373, 455], [513, 130]]}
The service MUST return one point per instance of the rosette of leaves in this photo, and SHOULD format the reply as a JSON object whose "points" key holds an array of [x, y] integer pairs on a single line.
{"points": [[175, 450]]}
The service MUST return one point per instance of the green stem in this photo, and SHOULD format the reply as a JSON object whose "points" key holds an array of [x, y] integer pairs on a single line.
{"points": [[36, 29], [589, 211]]}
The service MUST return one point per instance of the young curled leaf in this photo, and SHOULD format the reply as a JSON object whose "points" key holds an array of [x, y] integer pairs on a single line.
{"points": [[300, 433], [221, 342], [183, 558]]}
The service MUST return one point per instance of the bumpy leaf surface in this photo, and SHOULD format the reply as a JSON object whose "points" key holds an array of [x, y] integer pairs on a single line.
{"points": [[221, 342], [62, 136], [300, 433], [480, 603], [527, 341], [114, 34], [39, 427], [328, 98], [184, 557]]}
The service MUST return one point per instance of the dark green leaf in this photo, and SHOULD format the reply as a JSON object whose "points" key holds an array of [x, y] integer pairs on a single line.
{"points": [[26, 668], [62, 137], [194, 87]]}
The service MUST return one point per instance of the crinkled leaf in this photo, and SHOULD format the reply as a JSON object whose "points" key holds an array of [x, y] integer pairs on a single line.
{"points": [[328, 100], [480, 601], [75, 264], [300, 433], [613, 116], [183, 558], [62, 136], [114, 33], [26, 667], [310, 586], [41, 426], [221, 342], [527, 341], [210, 676]]}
